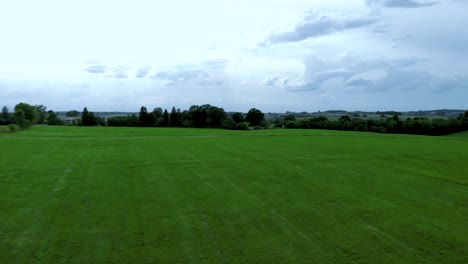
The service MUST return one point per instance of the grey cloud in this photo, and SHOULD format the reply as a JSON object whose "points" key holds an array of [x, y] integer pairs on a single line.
{"points": [[449, 84], [303, 87], [142, 71], [315, 80], [357, 75], [401, 3], [96, 68], [314, 25], [359, 82], [270, 81], [207, 73]]}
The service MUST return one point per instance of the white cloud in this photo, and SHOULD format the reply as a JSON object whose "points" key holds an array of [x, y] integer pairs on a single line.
{"points": [[313, 24], [143, 71], [206, 73]]}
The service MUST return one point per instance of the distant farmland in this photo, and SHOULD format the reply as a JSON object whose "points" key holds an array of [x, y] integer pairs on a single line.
{"points": [[155, 195]]}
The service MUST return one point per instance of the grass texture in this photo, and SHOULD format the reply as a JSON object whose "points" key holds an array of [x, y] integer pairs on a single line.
{"points": [[153, 195]]}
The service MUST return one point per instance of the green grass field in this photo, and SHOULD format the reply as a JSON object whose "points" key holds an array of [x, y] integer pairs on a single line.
{"points": [[137, 195]]}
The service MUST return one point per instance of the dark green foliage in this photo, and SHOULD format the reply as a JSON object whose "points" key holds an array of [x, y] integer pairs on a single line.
{"points": [[88, 118], [19, 118], [165, 121], [229, 123], [41, 113], [158, 116], [175, 118], [290, 124], [13, 127], [85, 117], [30, 115], [238, 117], [123, 121], [418, 126], [146, 119], [289, 117], [199, 115], [72, 113], [52, 119], [5, 116], [255, 117], [207, 116]]}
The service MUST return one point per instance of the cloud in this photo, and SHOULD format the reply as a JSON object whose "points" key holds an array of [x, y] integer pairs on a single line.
{"points": [[119, 72], [449, 84], [357, 75], [400, 3], [270, 80], [96, 67], [313, 24], [142, 71], [206, 73]]}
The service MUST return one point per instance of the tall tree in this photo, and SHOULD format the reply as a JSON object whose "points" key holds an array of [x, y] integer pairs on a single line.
{"points": [[30, 112], [255, 117], [238, 117], [5, 116], [216, 115], [88, 118], [146, 119], [175, 118], [199, 115], [19, 118], [165, 118], [41, 113], [85, 117], [158, 116]]}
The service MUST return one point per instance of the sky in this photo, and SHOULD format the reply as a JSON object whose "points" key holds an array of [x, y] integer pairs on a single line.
{"points": [[274, 55]]}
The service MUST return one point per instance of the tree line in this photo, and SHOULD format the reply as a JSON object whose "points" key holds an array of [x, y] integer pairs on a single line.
{"points": [[208, 116], [416, 125], [198, 116]]}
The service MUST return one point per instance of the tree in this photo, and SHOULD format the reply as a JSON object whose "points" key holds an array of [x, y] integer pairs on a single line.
{"points": [[88, 118], [165, 122], [19, 118], [216, 116], [157, 116], [52, 119], [175, 118], [289, 117], [146, 119], [85, 117], [41, 113], [255, 117], [199, 115], [5, 116], [30, 112], [72, 113], [238, 117]]}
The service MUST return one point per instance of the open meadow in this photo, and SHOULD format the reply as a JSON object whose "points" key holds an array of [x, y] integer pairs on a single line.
{"points": [[155, 195]]}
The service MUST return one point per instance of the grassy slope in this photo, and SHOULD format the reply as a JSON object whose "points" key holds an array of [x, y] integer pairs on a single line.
{"points": [[212, 196], [460, 135]]}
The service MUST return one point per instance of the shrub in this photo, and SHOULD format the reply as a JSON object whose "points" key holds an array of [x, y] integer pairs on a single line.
{"points": [[14, 128], [242, 126], [291, 124]]}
